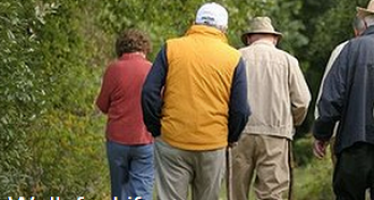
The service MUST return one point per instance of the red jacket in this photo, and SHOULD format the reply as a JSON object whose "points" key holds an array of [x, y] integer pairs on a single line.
{"points": [[120, 99]]}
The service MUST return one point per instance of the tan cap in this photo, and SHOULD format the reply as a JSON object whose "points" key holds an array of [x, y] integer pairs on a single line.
{"points": [[260, 25], [363, 12]]}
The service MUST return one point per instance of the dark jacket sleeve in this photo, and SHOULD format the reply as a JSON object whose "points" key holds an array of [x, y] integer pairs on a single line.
{"points": [[239, 109], [151, 94], [333, 98]]}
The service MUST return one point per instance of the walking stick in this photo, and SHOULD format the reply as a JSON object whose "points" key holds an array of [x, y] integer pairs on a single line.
{"points": [[229, 188], [291, 166]]}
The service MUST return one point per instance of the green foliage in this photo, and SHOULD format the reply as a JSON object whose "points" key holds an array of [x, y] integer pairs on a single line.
{"points": [[314, 181], [50, 143], [69, 162], [303, 152], [286, 22], [19, 91], [52, 56], [313, 177], [166, 19]]}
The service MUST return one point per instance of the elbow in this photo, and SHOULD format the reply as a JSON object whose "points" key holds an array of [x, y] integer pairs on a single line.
{"points": [[100, 106], [146, 90], [301, 100], [307, 100], [299, 115], [242, 114], [103, 110], [246, 112], [146, 96], [249, 111], [304, 101], [300, 110]]}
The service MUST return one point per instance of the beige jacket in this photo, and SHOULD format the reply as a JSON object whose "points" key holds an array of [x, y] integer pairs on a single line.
{"points": [[277, 91]]}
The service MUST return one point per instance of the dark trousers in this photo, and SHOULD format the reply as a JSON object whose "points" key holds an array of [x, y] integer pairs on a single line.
{"points": [[354, 172], [131, 171]]}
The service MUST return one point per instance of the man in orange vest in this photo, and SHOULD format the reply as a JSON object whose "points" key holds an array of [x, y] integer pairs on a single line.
{"points": [[195, 104]]}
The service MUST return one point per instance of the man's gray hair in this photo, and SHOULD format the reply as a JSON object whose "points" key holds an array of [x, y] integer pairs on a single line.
{"points": [[359, 24], [369, 20]]}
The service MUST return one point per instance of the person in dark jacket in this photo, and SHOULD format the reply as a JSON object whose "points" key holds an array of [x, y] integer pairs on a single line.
{"points": [[348, 97], [358, 27]]}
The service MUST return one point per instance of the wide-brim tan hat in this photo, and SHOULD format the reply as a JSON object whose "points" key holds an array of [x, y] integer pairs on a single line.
{"points": [[260, 25], [363, 12]]}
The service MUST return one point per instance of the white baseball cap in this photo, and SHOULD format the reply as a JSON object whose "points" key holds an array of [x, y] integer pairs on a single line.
{"points": [[212, 14]]}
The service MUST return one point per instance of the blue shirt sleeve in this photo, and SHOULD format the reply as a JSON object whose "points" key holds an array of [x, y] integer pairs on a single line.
{"points": [[152, 93], [239, 110]]}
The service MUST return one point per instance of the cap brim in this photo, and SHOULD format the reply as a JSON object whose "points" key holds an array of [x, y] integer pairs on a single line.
{"points": [[363, 12], [244, 35]]}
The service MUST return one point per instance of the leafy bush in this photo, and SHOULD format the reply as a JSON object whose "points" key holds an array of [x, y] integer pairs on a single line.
{"points": [[69, 162], [303, 151], [51, 145], [19, 91], [314, 181], [312, 177], [52, 56]]}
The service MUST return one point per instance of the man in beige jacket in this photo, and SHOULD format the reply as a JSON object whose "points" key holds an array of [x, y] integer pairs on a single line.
{"points": [[279, 97]]}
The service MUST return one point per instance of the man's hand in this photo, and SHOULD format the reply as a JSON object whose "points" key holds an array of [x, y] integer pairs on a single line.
{"points": [[319, 148]]}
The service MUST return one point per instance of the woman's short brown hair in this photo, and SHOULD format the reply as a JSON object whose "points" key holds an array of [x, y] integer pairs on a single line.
{"points": [[133, 40]]}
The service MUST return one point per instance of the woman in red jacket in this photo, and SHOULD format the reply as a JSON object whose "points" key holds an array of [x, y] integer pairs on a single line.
{"points": [[129, 145]]}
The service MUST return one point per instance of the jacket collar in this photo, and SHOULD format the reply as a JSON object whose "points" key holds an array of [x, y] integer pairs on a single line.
{"points": [[369, 30], [265, 42], [207, 31], [132, 55]]}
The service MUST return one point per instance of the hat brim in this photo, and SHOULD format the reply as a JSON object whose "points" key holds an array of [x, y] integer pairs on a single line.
{"points": [[244, 36], [363, 12]]}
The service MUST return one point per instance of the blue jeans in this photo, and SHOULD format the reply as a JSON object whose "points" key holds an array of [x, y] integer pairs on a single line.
{"points": [[131, 170]]}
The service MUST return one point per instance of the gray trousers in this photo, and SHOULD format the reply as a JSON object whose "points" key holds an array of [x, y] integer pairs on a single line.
{"points": [[177, 169]]}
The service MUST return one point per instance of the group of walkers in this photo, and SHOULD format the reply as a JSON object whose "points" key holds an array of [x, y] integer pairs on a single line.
{"points": [[172, 121]]}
